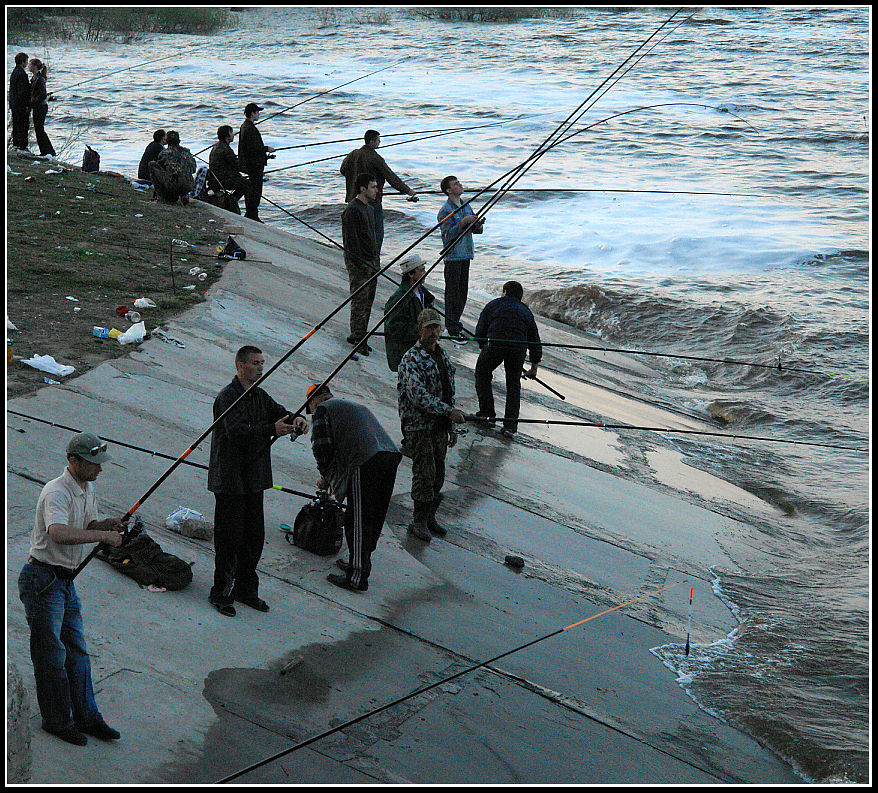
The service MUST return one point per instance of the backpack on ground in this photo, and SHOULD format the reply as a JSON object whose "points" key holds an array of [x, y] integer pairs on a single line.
{"points": [[233, 250], [142, 559], [319, 527], [91, 160]]}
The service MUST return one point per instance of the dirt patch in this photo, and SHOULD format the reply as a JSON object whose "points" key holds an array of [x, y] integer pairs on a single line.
{"points": [[95, 238]]}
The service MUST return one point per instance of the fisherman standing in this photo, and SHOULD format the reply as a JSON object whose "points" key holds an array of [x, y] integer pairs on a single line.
{"points": [[361, 257], [455, 219], [367, 160], [253, 156], [19, 102], [66, 520], [150, 154], [357, 460], [506, 330], [239, 472], [225, 170], [425, 389], [401, 324]]}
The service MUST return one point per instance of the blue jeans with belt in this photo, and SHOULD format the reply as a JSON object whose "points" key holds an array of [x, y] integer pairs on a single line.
{"points": [[57, 648]]}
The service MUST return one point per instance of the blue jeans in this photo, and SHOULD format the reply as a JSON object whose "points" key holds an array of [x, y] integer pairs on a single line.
{"points": [[379, 226], [57, 648]]}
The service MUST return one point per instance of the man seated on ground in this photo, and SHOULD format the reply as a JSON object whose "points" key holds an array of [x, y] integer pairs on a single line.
{"points": [[401, 327], [225, 170], [150, 154], [173, 171]]}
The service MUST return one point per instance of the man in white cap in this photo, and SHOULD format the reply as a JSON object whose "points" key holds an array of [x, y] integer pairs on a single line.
{"points": [[401, 327], [66, 520]]}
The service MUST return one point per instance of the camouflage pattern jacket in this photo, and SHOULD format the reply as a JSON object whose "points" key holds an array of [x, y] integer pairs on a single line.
{"points": [[419, 389]]}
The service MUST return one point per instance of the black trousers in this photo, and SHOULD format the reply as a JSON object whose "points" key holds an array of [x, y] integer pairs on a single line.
{"points": [[512, 357], [456, 288], [238, 536], [369, 491], [252, 199], [40, 113], [20, 126]]}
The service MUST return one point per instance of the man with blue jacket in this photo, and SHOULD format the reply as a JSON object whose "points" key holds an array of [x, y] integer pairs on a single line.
{"points": [[456, 218], [506, 331]]}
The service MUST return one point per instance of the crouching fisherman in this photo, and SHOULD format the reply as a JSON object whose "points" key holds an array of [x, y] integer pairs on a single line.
{"points": [[66, 520], [357, 460]]}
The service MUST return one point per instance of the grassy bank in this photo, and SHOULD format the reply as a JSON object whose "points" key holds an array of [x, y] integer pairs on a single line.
{"points": [[95, 238]]}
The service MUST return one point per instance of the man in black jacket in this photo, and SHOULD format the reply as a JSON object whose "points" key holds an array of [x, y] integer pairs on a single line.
{"points": [[252, 155], [19, 102], [225, 170], [150, 154], [506, 330], [239, 472], [361, 256]]}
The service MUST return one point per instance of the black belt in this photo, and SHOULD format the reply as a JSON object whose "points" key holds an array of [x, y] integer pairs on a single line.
{"points": [[64, 573]]}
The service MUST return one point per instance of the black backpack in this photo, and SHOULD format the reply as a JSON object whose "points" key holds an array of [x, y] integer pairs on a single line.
{"points": [[142, 559], [233, 250], [319, 527], [91, 160]]}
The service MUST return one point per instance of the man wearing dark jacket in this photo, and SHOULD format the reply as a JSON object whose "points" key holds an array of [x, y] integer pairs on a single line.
{"points": [[361, 257], [150, 154], [252, 155], [510, 330], [239, 472], [225, 170], [401, 327], [19, 101]]}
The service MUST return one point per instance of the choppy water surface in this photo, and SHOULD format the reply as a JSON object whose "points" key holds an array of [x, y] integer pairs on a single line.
{"points": [[782, 269]]}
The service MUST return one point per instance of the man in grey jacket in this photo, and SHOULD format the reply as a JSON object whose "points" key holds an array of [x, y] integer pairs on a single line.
{"points": [[357, 460]]}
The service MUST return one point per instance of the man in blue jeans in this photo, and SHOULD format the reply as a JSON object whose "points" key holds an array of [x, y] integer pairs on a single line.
{"points": [[66, 521]]}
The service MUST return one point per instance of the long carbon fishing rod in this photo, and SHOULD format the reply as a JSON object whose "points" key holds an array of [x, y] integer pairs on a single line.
{"points": [[588, 190], [540, 151], [150, 452], [431, 686], [605, 425]]}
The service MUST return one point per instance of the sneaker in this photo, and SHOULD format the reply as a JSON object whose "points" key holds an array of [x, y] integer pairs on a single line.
{"points": [[102, 730], [342, 564], [341, 580], [69, 734]]}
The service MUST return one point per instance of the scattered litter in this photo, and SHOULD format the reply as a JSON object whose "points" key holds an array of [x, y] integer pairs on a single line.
{"points": [[74, 299], [77, 308], [144, 302], [138, 215], [52, 170], [134, 335], [191, 286], [9, 324], [183, 244], [195, 271], [154, 588], [189, 523], [100, 333], [29, 179], [168, 339], [202, 276], [80, 196], [515, 561], [133, 316], [11, 172], [46, 363], [50, 381]]}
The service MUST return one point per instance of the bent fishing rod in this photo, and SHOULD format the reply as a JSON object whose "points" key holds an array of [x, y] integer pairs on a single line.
{"points": [[431, 686], [150, 452], [540, 151], [577, 423]]}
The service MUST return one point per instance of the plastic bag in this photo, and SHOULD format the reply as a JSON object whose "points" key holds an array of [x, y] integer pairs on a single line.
{"points": [[135, 334], [189, 523], [46, 363], [144, 302]]}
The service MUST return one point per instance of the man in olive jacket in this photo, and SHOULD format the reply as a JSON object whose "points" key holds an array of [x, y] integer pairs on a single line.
{"points": [[401, 327], [225, 170], [253, 156]]}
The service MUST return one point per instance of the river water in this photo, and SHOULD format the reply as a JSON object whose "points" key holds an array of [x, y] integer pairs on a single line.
{"points": [[769, 104]]}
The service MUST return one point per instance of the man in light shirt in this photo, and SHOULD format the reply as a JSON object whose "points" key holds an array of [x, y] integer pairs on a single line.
{"points": [[66, 521]]}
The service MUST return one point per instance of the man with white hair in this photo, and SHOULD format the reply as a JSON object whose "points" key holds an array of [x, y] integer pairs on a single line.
{"points": [[401, 327]]}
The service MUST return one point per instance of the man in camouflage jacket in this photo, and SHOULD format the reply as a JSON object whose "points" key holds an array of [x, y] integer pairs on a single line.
{"points": [[425, 388]]}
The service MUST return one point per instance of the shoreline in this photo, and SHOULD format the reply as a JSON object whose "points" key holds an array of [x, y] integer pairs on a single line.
{"points": [[578, 526]]}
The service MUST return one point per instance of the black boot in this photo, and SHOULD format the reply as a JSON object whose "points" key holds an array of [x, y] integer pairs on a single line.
{"points": [[432, 525], [418, 526]]}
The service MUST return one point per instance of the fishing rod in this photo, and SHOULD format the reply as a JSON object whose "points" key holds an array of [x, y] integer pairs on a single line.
{"points": [[589, 190], [139, 449], [431, 686], [483, 419], [541, 150], [414, 132]]}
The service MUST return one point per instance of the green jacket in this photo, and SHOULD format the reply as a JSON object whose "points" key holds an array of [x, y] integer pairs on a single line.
{"points": [[401, 327]]}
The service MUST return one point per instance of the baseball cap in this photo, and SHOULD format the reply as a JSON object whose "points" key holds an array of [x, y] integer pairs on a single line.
{"points": [[411, 262], [89, 447], [429, 316], [313, 390], [251, 108]]}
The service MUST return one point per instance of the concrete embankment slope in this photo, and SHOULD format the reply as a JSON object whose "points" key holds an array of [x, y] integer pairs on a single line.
{"points": [[598, 519]]}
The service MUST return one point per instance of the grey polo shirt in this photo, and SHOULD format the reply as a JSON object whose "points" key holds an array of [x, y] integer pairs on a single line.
{"points": [[62, 501]]}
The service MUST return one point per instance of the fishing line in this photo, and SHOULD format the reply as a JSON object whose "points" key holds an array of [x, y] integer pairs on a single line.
{"points": [[326, 319], [589, 190], [142, 449], [431, 686], [605, 425], [689, 621]]}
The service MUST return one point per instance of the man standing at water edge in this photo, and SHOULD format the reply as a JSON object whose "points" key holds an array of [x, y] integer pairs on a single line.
{"points": [[454, 220], [225, 170], [239, 472], [19, 102], [253, 155], [367, 160], [66, 520], [401, 326]]}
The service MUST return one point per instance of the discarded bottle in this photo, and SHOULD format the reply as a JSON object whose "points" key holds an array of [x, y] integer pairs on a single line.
{"points": [[8, 351], [50, 381], [100, 333], [133, 316], [183, 243]]}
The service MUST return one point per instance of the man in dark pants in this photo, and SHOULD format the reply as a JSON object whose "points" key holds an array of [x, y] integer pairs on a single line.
{"points": [[361, 257], [357, 460], [19, 102], [252, 155], [401, 327], [66, 520], [225, 170], [512, 331], [150, 154], [239, 472]]}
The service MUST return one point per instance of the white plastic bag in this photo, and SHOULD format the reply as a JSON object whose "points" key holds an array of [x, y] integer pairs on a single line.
{"points": [[176, 518], [135, 334], [144, 302], [46, 363]]}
